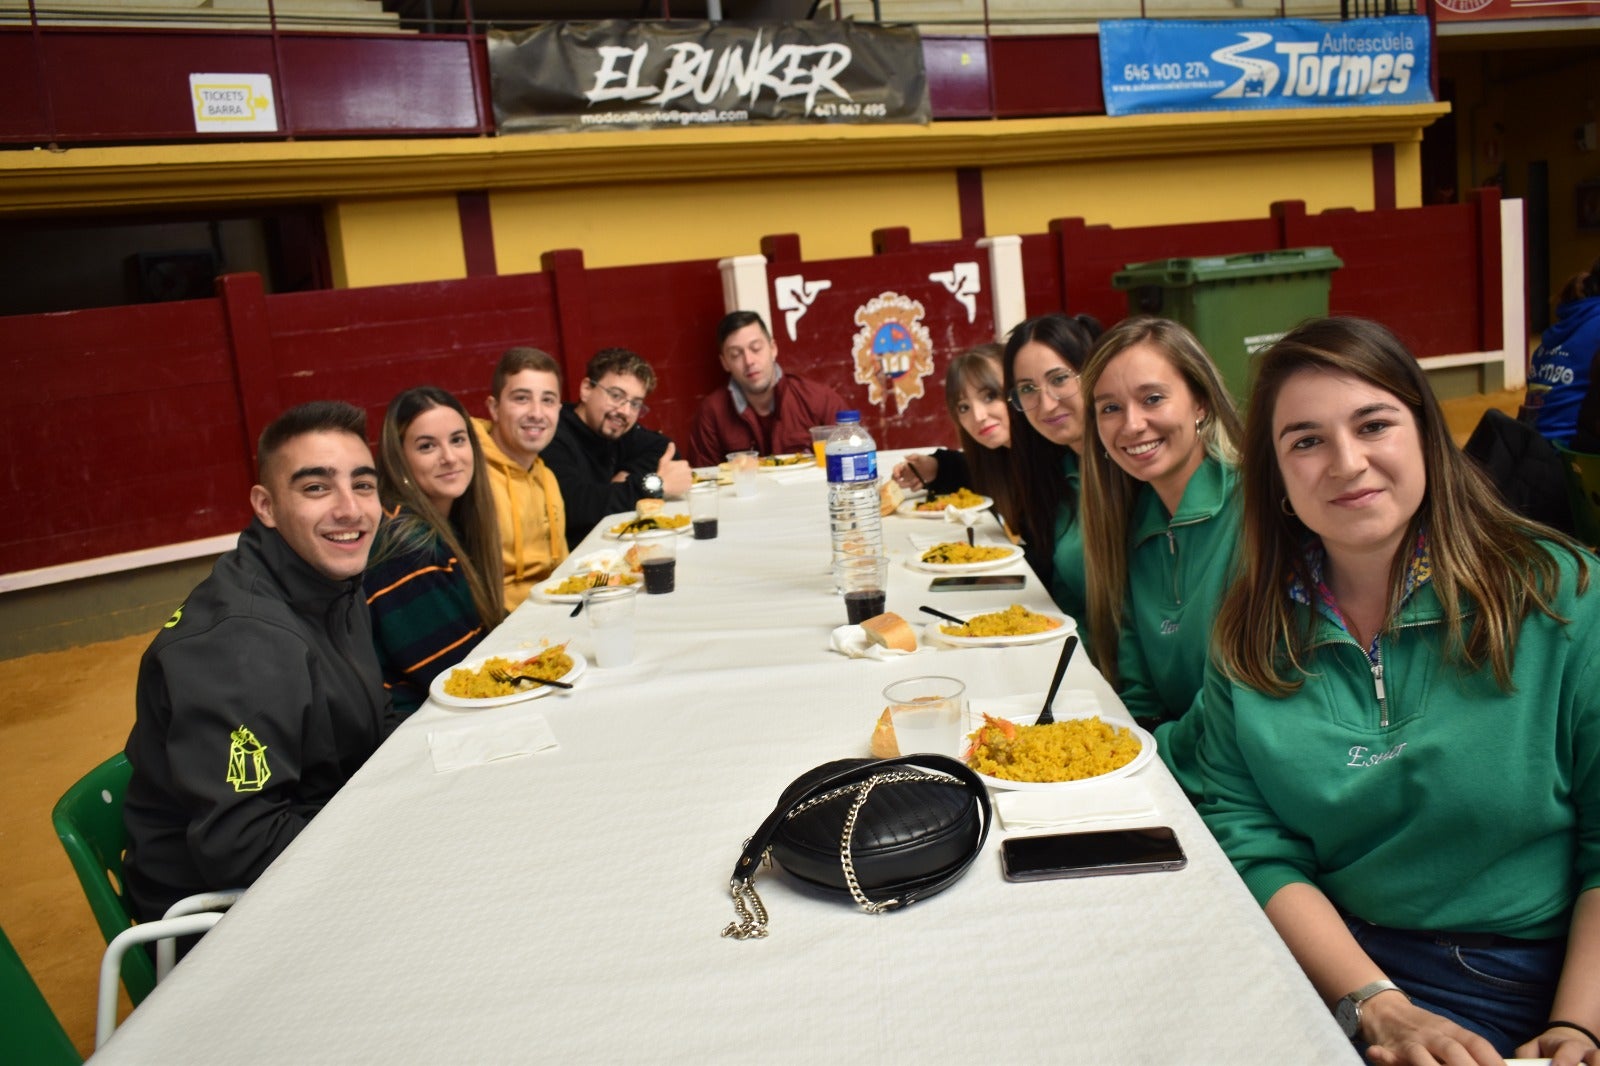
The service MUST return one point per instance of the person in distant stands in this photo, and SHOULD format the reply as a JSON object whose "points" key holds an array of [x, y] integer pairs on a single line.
{"points": [[603, 458], [524, 406], [433, 583], [762, 409], [261, 695], [1561, 378]]}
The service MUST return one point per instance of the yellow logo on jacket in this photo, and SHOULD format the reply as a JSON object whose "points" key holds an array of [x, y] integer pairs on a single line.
{"points": [[247, 762]]}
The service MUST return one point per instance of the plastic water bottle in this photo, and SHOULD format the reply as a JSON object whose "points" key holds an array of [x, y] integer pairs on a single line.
{"points": [[853, 515]]}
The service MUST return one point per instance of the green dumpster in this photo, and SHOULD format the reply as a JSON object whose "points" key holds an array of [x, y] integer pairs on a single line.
{"points": [[1235, 304]]}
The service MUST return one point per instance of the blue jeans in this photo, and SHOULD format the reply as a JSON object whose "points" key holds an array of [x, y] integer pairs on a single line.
{"points": [[1502, 991]]}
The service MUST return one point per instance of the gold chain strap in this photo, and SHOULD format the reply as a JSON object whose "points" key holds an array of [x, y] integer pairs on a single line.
{"points": [[752, 921]]}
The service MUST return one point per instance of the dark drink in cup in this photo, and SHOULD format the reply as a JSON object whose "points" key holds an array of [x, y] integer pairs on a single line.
{"points": [[661, 575], [705, 529], [859, 605]]}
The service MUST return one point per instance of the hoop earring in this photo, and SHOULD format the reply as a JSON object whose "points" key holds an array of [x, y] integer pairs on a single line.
{"points": [[1286, 508]]}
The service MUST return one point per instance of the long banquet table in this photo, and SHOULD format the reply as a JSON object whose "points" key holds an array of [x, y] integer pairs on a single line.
{"points": [[566, 906]]}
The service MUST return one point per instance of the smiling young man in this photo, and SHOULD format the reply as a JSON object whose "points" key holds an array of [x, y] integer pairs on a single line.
{"points": [[603, 458], [762, 408], [524, 406], [262, 694]]}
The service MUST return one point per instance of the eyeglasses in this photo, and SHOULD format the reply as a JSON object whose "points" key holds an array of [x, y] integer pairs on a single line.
{"points": [[619, 398], [1026, 397]]}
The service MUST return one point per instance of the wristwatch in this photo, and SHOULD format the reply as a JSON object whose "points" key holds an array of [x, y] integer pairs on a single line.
{"points": [[649, 485], [1348, 1010]]}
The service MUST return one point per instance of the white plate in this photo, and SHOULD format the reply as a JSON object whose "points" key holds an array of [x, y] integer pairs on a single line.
{"points": [[573, 597], [934, 633], [804, 460], [1147, 751], [686, 530], [908, 509], [439, 695], [914, 561]]}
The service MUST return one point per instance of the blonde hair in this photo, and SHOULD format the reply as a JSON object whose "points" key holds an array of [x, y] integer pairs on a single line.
{"points": [[470, 532], [1487, 560], [1109, 491]]}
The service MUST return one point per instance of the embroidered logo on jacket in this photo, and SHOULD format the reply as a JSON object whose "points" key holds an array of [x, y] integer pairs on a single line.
{"points": [[247, 762], [177, 616], [1168, 627], [1359, 755]]}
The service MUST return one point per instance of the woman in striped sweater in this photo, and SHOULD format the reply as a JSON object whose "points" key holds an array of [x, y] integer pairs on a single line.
{"points": [[431, 582]]}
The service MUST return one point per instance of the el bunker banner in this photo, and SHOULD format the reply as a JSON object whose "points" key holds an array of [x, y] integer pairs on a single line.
{"points": [[619, 74], [1172, 65]]}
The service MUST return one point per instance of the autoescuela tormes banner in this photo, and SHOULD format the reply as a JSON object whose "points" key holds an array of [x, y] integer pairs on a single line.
{"points": [[1172, 65]]}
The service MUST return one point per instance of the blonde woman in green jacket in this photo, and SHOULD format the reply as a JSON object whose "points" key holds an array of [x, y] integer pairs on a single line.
{"points": [[1161, 521], [1401, 752]]}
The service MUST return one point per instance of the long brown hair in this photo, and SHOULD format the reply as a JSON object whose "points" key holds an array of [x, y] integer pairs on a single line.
{"points": [[1486, 558], [470, 532], [978, 370], [1109, 491], [1038, 488]]}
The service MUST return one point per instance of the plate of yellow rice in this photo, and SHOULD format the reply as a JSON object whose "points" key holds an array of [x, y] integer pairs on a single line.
{"points": [[991, 628], [933, 506], [1076, 750], [958, 557], [470, 686]]}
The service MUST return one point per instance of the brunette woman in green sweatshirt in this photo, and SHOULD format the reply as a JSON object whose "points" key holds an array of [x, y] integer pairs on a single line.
{"points": [[1401, 752]]}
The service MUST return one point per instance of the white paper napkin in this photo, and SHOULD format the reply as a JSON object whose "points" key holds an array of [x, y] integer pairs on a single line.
{"points": [[795, 475], [510, 738], [853, 642], [1123, 799]]}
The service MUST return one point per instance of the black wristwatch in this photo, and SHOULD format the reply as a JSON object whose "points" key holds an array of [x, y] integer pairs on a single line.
{"points": [[648, 485]]}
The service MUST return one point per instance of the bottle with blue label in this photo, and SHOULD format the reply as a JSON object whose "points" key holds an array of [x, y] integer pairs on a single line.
{"points": [[853, 515]]}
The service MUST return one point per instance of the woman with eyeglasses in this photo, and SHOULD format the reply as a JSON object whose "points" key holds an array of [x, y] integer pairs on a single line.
{"points": [[432, 583], [975, 396], [1042, 360], [1162, 526], [1401, 753]]}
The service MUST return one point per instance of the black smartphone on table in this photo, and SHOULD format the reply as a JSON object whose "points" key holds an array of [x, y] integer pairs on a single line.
{"points": [[1092, 854], [979, 582]]}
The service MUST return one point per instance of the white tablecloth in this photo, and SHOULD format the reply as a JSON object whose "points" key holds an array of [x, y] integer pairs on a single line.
{"points": [[566, 906]]}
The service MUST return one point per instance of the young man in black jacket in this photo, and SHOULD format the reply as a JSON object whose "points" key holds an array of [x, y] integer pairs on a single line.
{"points": [[604, 460], [261, 695]]}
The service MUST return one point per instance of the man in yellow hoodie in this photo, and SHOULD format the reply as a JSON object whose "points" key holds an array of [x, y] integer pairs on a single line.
{"points": [[524, 408]]}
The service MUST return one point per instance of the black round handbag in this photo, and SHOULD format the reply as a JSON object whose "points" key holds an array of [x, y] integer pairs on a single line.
{"points": [[883, 832]]}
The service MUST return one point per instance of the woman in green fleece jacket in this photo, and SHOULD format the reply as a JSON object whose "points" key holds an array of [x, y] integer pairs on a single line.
{"points": [[1161, 521], [1401, 744]]}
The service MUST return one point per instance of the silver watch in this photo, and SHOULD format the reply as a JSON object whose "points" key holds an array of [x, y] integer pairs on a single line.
{"points": [[1348, 1010], [650, 484]]}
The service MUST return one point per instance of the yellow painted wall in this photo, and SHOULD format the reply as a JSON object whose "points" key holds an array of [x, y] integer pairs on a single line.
{"points": [[392, 241], [619, 225], [1168, 190]]}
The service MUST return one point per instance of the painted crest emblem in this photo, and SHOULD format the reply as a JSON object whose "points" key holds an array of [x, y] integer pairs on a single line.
{"points": [[892, 349]]}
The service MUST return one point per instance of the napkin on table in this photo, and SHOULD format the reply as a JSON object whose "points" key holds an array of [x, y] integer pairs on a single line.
{"points": [[853, 643], [485, 742], [1123, 799]]}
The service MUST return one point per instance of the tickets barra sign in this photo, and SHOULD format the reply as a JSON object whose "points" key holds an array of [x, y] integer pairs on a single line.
{"points": [[1173, 65], [620, 74]]}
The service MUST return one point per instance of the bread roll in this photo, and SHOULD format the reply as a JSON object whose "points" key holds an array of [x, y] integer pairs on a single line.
{"points": [[884, 743], [889, 630], [647, 507], [890, 496]]}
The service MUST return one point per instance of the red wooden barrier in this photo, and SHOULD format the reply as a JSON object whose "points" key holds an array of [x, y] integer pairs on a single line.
{"points": [[133, 427]]}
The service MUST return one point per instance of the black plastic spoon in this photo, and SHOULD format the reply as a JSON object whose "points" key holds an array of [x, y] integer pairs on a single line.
{"points": [[1047, 716]]}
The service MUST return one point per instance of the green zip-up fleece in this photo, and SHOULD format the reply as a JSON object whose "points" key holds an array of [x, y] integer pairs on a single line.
{"points": [[1434, 800], [1068, 585], [1178, 570]]}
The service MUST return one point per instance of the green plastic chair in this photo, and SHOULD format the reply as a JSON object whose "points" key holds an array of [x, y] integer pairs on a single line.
{"points": [[1583, 491], [29, 1032], [88, 819]]}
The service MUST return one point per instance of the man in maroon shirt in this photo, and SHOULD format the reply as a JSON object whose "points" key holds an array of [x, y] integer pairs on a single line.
{"points": [[762, 409]]}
